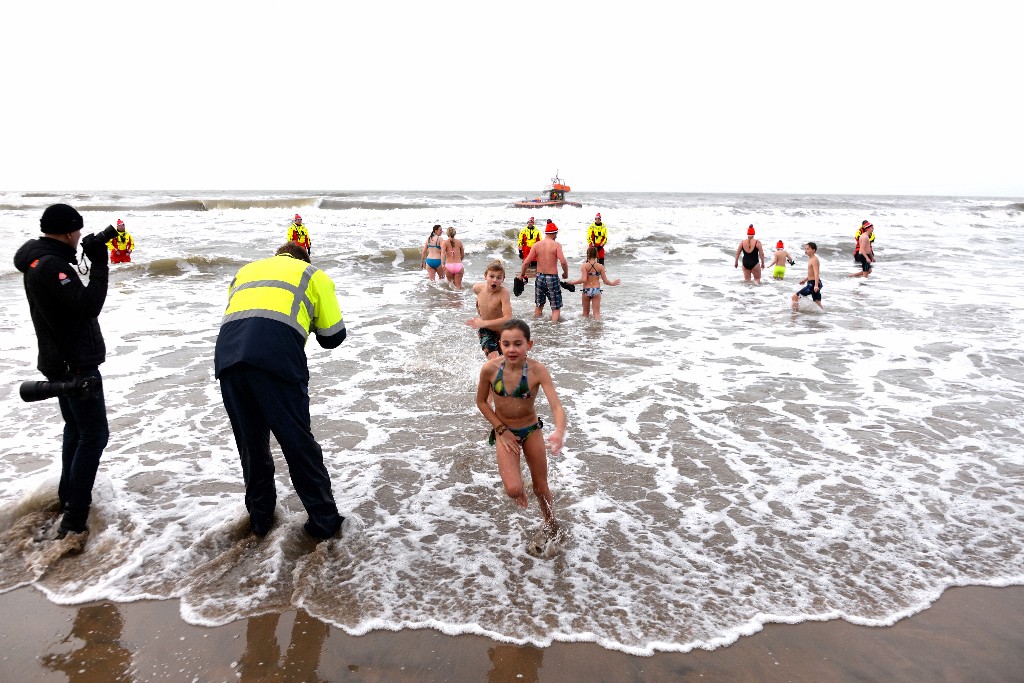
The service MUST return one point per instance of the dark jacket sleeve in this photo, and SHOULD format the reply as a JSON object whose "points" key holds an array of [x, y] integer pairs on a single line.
{"points": [[61, 287], [66, 314]]}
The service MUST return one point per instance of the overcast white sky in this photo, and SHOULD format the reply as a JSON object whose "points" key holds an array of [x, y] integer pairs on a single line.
{"points": [[800, 97]]}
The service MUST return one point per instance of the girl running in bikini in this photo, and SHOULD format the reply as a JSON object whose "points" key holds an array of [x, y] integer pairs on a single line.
{"points": [[505, 395]]}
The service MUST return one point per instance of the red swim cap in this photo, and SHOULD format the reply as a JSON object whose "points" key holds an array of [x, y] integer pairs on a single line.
{"points": [[779, 245], [550, 227], [750, 230]]}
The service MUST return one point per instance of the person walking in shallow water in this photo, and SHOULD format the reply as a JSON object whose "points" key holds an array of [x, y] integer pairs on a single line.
{"points": [[452, 253], [779, 261], [260, 360], [493, 307], [812, 287], [592, 274], [548, 254], [865, 252], [506, 396], [430, 257], [753, 257]]}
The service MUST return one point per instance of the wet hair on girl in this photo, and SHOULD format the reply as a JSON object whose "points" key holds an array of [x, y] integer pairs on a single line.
{"points": [[591, 252], [451, 233], [517, 324], [436, 227]]}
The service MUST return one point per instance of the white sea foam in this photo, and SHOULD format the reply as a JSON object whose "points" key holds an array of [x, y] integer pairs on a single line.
{"points": [[728, 463]]}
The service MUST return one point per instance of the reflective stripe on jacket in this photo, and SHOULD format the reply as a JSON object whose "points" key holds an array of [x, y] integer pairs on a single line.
{"points": [[268, 298]]}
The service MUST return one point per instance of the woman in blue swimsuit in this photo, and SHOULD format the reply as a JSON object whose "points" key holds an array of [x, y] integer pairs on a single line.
{"points": [[430, 257], [506, 396]]}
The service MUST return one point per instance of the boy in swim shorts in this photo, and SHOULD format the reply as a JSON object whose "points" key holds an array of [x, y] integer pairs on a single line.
{"points": [[865, 252], [780, 260], [494, 307], [813, 279]]}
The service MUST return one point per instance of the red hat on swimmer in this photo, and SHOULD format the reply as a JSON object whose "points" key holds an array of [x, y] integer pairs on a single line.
{"points": [[779, 245], [550, 228], [750, 230], [864, 225]]}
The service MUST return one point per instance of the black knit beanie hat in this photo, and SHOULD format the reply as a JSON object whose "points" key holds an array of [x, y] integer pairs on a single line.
{"points": [[60, 219]]}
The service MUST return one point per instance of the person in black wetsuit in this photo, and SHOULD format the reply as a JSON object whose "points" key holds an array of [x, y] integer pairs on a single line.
{"points": [[753, 257]]}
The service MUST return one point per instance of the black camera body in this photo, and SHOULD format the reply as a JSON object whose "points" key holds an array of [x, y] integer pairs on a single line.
{"points": [[108, 233], [79, 387]]}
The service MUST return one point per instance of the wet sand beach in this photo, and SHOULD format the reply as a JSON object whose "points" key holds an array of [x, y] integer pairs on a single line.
{"points": [[971, 634]]}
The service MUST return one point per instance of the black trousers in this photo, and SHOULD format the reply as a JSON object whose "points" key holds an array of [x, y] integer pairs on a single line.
{"points": [[85, 436], [259, 403]]}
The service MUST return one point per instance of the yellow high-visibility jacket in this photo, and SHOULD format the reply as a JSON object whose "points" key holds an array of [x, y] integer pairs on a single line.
{"points": [[123, 242], [528, 237], [597, 235], [273, 306], [299, 235]]}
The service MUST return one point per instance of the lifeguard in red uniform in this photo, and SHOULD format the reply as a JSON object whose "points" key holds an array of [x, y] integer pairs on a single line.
{"points": [[121, 247]]}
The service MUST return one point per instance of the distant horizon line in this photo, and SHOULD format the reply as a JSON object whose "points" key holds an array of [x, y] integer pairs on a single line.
{"points": [[517, 193]]}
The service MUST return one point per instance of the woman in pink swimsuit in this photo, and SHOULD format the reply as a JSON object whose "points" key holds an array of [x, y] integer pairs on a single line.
{"points": [[452, 253]]}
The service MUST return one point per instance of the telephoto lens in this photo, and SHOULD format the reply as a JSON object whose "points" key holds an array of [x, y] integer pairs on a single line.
{"points": [[39, 390]]}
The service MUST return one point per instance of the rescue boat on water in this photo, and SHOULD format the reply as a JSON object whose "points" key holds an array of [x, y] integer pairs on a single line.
{"points": [[554, 196]]}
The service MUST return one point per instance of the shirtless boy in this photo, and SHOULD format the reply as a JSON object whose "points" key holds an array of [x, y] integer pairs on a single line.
{"points": [[494, 307], [548, 254], [865, 253], [813, 279], [779, 261]]}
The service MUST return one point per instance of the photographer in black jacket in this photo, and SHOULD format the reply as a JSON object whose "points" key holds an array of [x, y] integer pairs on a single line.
{"points": [[64, 313]]}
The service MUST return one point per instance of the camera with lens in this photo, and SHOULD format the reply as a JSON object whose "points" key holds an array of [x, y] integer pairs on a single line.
{"points": [[79, 387], [108, 233]]}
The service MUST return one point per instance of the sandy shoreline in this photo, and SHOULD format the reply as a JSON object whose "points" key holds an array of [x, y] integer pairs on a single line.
{"points": [[971, 634]]}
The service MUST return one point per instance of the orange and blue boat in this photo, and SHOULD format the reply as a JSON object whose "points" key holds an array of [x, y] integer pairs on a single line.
{"points": [[554, 195]]}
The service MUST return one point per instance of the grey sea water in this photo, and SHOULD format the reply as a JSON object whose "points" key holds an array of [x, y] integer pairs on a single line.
{"points": [[729, 461]]}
